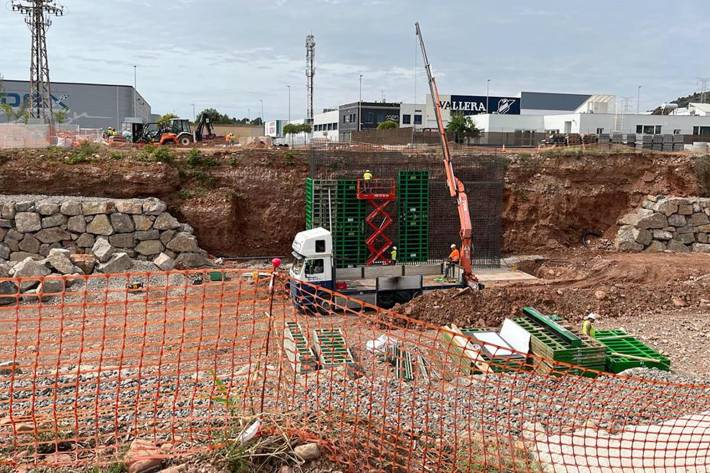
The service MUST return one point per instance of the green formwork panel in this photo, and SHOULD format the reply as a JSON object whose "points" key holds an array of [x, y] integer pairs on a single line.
{"points": [[349, 232], [320, 203], [625, 352], [413, 200]]}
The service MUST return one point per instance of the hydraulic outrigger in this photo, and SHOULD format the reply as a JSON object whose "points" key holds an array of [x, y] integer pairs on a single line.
{"points": [[456, 187]]}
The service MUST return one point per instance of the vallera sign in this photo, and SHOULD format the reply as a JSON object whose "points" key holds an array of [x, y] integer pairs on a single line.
{"points": [[476, 104]]}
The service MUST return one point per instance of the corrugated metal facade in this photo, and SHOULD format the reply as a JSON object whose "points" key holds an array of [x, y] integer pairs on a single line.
{"points": [[86, 105]]}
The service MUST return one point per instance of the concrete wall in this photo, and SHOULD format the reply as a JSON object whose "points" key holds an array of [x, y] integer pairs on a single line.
{"points": [[86, 105], [397, 136], [239, 131]]}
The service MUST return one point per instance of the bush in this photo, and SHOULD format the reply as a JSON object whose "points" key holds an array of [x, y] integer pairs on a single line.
{"points": [[197, 159], [83, 153], [388, 125], [163, 155]]}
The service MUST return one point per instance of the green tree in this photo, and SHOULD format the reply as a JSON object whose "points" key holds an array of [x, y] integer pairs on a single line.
{"points": [[388, 125], [461, 127], [294, 129], [60, 116], [164, 121]]}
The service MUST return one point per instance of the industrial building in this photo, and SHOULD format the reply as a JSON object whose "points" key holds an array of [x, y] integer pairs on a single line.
{"points": [[84, 105], [358, 116]]}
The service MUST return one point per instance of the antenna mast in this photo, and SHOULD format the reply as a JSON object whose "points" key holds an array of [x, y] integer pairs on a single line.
{"points": [[38, 15], [310, 74]]}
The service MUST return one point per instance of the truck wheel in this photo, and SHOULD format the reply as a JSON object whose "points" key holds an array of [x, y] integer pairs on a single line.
{"points": [[385, 300], [185, 140], [402, 297]]}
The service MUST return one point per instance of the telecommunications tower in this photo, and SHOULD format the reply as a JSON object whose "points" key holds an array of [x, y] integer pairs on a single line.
{"points": [[38, 16], [310, 74]]}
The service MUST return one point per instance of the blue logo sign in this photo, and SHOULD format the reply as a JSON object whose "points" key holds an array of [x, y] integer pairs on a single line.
{"points": [[477, 104], [15, 100]]}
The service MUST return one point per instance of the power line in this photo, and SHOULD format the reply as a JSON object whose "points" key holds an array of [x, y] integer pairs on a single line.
{"points": [[38, 15]]}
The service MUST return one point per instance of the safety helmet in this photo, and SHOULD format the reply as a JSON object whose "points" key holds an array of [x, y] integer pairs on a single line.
{"points": [[453, 246], [394, 247], [367, 170], [592, 316]]}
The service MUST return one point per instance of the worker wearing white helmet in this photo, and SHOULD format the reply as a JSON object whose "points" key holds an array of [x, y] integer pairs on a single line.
{"points": [[393, 255], [588, 325], [454, 258]]}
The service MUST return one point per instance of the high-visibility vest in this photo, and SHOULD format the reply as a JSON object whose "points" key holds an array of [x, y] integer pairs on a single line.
{"points": [[455, 256], [588, 329], [393, 255]]}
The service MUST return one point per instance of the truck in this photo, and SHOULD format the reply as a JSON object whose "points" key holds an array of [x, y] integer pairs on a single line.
{"points": [[383, 285], [314, 270]]}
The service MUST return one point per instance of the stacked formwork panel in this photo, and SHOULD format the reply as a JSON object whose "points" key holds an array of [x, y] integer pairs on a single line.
{"points": [[349, 233], [320, 203], [413, 193]]}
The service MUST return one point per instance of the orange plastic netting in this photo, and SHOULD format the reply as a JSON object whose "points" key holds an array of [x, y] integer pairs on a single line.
{"points": [[91, 363]]}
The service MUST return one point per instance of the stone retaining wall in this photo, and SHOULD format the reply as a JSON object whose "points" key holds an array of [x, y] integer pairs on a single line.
{"points": [[116, 232], [679, 224]]}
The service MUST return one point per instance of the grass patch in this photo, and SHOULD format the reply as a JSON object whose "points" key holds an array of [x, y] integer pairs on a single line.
{"points": [[160, 154], [197, 159], [84, 153]]}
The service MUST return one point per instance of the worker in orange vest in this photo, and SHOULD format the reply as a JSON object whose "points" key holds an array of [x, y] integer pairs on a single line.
{"points": [[454, 258]]}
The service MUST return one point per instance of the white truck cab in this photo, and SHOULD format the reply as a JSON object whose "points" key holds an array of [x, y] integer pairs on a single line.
{"points": [[313, 254]]}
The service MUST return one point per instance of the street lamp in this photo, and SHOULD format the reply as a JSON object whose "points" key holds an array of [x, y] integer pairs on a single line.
{"points": [[638, 100], [262, 110], [488, 94], [289, 103], [359, 108]]}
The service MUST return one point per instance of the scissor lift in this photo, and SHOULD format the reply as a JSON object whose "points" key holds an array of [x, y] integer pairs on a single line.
{"points": [[380, 193]]}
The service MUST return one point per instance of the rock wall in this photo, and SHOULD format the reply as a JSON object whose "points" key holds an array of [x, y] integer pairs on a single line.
{"points": [[115, 232], [680, 224]]}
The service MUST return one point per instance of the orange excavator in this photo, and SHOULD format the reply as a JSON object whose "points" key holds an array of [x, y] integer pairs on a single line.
{"points": [[456, 187]]}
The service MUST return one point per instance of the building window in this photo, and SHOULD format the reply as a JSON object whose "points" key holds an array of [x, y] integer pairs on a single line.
{"points": [[406, 119], [417, 119], [639, 129], [335, 126], [676, 131], [701, 130], [600, 131], [658, 129], [648, 129]]}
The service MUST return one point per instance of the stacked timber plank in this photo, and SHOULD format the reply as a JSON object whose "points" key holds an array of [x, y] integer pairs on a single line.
{"points": [[625, 352]]}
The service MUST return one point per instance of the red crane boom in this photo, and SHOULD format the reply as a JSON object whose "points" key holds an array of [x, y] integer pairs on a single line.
{"points": [[456, 187]]}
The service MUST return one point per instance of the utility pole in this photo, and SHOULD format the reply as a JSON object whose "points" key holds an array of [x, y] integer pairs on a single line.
{"points": [[638, 100], [194, 117], [310, 75], [261, 101], [135, 87], [38, 15]]}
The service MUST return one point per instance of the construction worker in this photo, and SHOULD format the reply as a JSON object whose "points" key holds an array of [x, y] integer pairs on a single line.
{"points": [[454, 258], [367, 176], [393, 255], [229, 139], [588, 325]]}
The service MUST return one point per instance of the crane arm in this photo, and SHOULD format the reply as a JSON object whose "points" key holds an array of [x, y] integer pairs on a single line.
{"points": [[456, 187]]}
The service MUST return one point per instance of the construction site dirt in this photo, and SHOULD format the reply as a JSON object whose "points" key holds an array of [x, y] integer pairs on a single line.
{"points": [[251, 202]]}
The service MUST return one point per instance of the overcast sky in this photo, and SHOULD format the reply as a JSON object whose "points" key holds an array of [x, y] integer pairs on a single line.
{"points": [[229, 54]]}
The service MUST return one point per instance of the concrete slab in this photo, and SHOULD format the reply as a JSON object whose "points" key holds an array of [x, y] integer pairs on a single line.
{"points": [[503, 275]]}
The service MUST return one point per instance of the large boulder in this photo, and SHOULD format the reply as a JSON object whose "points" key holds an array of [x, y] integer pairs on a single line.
{"points": [[626, 239], [701, 248], [633, 218], [149, 247], [192, 261], [100, 225], [164, 262], [165, 221], [4, 251], [60, 261], [678, 246], [52, 235], [97, 208], [147, 235], [183, 243], [85, 240], [55, 220], [70, 208], [655, 221], [30, 268], [122, 223], [26, 222], [142, 223], [119, 263], [76, 224], [8, 293], [131, 207], [122, 240], [154, 207], [103, 250], [84, 262]]}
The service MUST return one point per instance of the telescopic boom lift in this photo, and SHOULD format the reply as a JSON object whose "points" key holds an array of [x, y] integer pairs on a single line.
{"points": [[456, 187]]}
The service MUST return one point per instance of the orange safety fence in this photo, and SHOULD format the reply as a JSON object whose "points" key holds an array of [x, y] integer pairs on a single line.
{"points": [[190, 361]]}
